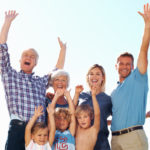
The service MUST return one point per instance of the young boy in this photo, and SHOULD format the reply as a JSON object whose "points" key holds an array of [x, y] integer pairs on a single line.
{"points": [[65, 123], [86, 135], [37, 135]]}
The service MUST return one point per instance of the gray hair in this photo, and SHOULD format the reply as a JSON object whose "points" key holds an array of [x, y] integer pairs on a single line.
{"points": [[37, 55], [58, 73]]}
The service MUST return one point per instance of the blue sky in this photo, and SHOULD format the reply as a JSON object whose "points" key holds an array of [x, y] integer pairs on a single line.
{"points": [[96, 31]]}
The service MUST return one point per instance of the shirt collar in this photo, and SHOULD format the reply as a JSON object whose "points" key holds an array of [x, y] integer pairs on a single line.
{"points": [[29, 75]]}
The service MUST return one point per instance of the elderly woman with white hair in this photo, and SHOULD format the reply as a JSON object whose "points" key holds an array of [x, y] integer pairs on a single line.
{"points": [[59, 81]]}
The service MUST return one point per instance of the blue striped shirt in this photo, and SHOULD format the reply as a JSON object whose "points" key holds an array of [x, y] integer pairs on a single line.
{"points": [[23, 91]]}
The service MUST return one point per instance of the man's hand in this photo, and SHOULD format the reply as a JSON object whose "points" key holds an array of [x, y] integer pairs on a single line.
{"points": [[10, 15], [146, 15]]}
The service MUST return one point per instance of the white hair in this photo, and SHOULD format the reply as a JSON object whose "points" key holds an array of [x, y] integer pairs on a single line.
{"points": [[58, 73], [36, 53]]}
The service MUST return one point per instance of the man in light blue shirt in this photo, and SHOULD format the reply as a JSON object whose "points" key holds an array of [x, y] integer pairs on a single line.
{"points": [[130, 97]]}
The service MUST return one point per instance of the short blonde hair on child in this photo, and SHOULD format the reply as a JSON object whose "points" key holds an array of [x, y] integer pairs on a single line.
{"points": [[37, 126], [65, 112], [85, 108]]}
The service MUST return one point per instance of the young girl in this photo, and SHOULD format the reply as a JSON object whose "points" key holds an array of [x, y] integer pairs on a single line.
{"points": [[37, 136], [65, 123]]}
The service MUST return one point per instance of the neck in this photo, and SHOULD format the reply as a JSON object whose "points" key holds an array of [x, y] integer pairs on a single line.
{"points": [[121, 79]]}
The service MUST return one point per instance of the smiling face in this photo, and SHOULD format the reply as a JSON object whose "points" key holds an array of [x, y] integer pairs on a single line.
{"points": [[95, 77], [84, 120], [124, 67], [28, 61], [61, 122], [40, 136], [60, 82]]}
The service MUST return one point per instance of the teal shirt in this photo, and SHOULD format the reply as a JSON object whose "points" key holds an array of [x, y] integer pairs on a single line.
{"points": [[129, 101]]}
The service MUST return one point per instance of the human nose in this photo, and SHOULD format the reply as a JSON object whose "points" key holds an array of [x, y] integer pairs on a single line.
{"points": [[82, 119]]}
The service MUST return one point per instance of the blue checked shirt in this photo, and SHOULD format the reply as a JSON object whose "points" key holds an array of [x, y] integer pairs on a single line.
{"points": [[23, 91]]}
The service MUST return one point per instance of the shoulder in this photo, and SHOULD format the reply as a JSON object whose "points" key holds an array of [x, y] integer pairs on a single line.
{"points": [[104, 96], [31, 144], [136, 76]]}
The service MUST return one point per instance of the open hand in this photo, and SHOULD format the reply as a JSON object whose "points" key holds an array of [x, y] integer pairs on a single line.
{"points": [[38, 111], [10, 15], [146, 15]]}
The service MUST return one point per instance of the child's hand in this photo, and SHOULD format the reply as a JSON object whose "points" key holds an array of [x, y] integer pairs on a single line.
{"points": [[59, 92], [38, 111], [67, 93], [50, 109], [93, 90], [79, 89]]}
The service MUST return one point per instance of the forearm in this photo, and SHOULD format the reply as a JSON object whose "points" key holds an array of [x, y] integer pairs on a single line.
{"points": [[143, 59], [95, 106], [31, 122], [52, 129], [54, 101], [76, 98], [61, 59], [4, 32], [4, 58], [72, 127], [71, 104]]}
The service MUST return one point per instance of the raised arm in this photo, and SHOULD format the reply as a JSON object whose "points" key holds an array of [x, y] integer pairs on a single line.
{"points": [[96, 108], [52, 129], [142, 59], [9, 17], [78, 90], [62, 55], [38, 112], [72, 126], [58, 93]]}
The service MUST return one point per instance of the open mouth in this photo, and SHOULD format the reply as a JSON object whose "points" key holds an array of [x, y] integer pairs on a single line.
{"points": [[60, 86], [94, 81], [27, 63]]}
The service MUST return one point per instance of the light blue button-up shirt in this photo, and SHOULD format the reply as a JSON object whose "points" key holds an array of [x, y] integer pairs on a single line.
{"points": [[129, 101]]}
